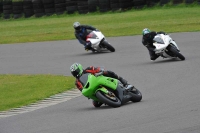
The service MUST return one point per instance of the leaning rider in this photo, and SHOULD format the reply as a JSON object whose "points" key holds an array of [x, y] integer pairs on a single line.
{"points": [[81, 32], [77, 71], [147, 41]]}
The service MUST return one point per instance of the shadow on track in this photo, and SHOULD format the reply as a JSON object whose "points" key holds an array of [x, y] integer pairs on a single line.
{"points": [[161, 61], [106, 107], [166, 60], [91, 53]]}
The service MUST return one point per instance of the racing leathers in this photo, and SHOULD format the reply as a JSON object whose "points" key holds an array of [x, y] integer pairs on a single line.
{"points": [[147, 40], [82, 33], [107, 73]]}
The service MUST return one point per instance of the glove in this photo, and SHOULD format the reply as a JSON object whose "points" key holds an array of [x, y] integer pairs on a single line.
{"points": [[100, 72], [88, 45]]}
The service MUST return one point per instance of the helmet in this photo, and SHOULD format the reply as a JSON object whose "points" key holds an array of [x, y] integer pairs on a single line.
{"points": [[145, 31], [76, 25], [76, 70]]}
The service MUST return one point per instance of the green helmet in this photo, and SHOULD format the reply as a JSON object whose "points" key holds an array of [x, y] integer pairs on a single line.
{"points": [[76, 70], [145, 31]]}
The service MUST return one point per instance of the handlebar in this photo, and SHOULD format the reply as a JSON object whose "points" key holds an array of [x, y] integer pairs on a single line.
{"points": [[98, 74]]}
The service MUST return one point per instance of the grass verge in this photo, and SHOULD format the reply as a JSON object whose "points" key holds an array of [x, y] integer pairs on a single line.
{"points": [[179, 18], [21, 90]]}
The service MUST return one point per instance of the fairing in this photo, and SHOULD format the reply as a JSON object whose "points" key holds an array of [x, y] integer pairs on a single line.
{"points": [[92, 83]]}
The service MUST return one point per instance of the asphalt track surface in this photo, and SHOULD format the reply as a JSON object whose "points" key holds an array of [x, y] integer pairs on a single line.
{"points": [[170, 88]]}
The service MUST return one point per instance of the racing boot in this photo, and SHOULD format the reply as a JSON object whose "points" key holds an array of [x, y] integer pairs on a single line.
{"points": [[96, 103], [127, 86], [123, 81]]}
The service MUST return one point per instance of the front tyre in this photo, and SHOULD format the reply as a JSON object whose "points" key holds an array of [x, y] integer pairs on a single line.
{"points": [[109, 99], [177, 53], [108, 46]]}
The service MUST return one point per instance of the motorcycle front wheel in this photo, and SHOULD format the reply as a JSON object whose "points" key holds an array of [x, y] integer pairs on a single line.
{"points": [[177, 53], [108, 46], [109, 99]]}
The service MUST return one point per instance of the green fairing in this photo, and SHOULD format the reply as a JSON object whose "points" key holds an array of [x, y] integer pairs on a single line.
{"points": [[96, 83]]}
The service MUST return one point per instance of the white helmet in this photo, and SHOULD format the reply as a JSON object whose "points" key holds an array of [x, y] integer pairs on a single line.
{"points": [[76, 25]]}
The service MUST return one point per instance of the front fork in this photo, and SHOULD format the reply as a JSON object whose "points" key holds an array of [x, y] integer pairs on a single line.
{"points": [[173, 43], [102, 45]]}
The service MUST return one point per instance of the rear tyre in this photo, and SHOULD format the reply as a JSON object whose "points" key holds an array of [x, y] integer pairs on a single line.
{"points": [[136, 95], [108, 46], [177, 53], [109, 99]]}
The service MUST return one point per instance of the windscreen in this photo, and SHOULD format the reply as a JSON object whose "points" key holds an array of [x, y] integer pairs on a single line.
{"points": [[91, 35], [158, 39]]}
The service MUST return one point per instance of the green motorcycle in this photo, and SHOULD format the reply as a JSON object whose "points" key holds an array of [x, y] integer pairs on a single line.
{"points": [[108, 91]]}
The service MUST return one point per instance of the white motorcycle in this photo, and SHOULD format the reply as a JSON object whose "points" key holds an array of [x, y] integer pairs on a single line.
{"points": [[166, 47], [99, 42]]}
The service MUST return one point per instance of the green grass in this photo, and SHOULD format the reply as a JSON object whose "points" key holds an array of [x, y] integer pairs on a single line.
{"points": [[21, 90], [181, 18]]}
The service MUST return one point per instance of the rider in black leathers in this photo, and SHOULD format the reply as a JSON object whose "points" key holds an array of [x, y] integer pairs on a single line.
{"points": [[147, 40], [81, 32]]}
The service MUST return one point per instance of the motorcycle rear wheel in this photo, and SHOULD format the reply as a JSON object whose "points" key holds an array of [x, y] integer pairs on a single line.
{"points": [[112, 101], [136, 95]]}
